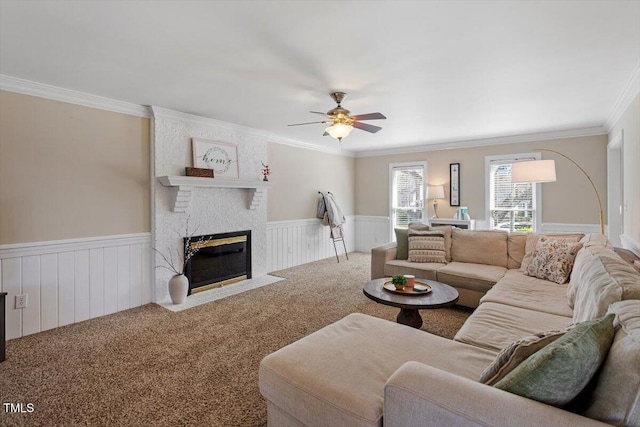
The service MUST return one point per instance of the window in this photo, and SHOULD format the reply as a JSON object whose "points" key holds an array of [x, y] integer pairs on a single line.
{"points": [[407, 184], [511, 207]]}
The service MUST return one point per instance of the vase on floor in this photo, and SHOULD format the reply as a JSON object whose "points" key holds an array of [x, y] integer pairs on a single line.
{"points": [[178, 288]]}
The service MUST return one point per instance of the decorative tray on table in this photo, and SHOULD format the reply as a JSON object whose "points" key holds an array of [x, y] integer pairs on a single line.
{"points": [[419, 288]]}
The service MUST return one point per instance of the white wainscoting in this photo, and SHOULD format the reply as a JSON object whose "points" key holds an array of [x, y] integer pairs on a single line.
{"points": [[68, 281], [371, 231], [548, 227], [291, 243]]}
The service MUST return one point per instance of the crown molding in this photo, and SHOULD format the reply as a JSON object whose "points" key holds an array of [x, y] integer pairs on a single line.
{"points": [[308, 146], [629, 93], [42, 90], [500, 140]]}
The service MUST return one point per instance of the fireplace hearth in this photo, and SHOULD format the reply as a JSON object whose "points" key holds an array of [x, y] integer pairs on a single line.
{"points": [[222, 260]]}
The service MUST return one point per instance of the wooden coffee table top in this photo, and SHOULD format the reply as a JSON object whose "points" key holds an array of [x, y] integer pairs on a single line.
{"points": [[442, 295]]}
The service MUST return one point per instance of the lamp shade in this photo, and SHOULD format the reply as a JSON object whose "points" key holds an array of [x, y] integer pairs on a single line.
{"points": [[533, 171], [435, 192], [339, 130]]}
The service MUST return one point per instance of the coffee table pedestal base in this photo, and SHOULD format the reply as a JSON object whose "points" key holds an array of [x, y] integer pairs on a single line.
{"points": [[410, 318]]}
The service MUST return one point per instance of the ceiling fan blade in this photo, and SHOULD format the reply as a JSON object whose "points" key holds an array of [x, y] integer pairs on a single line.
{"points": [[318, 112], [307, 123], [325, 134], [370, 116], [366, 127]]}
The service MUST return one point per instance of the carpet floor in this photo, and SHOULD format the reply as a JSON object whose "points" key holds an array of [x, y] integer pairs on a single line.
{"points": [[149, 366]]}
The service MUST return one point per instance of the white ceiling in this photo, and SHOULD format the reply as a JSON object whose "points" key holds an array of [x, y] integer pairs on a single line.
{"points": [[440, 71]]}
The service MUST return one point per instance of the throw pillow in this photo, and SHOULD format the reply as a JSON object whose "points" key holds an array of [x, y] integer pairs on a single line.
{"points": [[532, 240], [556, 374], [426, 246], [403, 243], [516, 353], [553, 259]]}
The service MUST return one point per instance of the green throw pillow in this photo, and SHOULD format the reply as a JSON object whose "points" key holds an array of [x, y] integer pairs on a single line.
{"points": [[557, 373], [403, 243]]}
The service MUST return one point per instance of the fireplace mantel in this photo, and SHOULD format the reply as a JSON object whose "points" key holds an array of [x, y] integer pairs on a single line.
{"points": [[184, 184]]}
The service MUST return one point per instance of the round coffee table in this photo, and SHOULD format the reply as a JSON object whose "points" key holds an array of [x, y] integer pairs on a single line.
{"points": [[442, 295]]}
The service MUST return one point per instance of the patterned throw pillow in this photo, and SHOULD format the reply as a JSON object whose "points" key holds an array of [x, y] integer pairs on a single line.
{"points": [[532, 240], [553, 259], [558, 373], [516, 353], [426, 246]]}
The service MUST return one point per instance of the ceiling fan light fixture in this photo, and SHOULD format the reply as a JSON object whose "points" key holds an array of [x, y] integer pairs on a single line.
{"points": [[339, 130]]}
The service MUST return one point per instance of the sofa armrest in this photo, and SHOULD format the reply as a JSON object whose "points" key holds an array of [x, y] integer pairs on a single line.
{"points": [[420, 395], [379, 256]]}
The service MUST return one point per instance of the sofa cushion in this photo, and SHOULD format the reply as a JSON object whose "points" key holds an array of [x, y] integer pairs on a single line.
{"points": [[605, 279], [495, 326], [477, 277], [516, 243], [519, 290], [479, 247], [596, 239], [402, 240], [358, 362], [616, 397], [422, 270], [426, 246], [516, 353], [532, 240], [557, 373], [553, 259]]}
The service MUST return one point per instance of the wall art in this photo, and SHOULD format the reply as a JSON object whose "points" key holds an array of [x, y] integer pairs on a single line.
{"points": [[222, 157], [454, 184]]}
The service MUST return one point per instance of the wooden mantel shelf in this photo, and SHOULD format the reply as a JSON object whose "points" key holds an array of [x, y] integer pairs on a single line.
{"points": [[184, 184]]}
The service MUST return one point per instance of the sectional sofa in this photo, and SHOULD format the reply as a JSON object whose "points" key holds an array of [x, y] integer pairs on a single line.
{"points": [[360, 369]]}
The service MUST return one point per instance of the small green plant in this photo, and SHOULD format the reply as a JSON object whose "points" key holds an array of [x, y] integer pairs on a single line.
{"points": [[399, 281]]}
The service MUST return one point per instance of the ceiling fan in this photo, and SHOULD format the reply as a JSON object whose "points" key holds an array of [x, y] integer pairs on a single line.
{"points": [[341, 122]]}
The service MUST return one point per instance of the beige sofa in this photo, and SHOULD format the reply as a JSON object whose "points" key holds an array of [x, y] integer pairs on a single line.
{"points": [[352, 372]]}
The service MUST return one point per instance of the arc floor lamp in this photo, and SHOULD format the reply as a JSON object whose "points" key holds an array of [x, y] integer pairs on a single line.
{"points": [[536, 171]]}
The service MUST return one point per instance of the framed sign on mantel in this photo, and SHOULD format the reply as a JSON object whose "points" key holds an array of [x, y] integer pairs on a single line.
{"points": [[222, 157], [454, 184]]}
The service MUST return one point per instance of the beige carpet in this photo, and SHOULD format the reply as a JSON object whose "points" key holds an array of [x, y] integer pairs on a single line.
{"points": [[151, 367]]}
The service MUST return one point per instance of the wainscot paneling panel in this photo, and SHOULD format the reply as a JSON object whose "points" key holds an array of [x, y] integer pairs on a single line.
{"points": [[371, 231], [74, 280], [291, 243]]}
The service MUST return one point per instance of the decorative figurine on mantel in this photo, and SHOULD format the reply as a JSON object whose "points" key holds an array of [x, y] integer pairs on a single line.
{"points": [[265, 171]]}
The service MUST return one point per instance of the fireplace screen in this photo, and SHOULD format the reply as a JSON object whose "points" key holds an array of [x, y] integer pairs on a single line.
{"points": [[224, 259]]}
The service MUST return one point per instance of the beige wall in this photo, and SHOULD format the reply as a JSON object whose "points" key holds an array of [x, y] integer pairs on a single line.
{"points": [[630, 123], [298, 174], [68, 171], [568, 200]]}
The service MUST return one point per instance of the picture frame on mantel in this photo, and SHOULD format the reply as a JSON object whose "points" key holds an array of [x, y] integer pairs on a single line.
{"points": [[222, 157], [454, 184]]}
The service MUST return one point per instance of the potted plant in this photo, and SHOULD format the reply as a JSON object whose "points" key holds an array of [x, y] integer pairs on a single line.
{"points": [[399, 281]]}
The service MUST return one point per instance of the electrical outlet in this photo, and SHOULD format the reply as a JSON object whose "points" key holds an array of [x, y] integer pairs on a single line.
{"points": [[22, 301]]}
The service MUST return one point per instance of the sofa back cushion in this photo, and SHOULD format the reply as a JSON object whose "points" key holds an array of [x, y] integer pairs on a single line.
{"points": [[604, 278], [479, 247], [616, 397], [516, 244], [596, 239]]}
